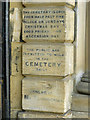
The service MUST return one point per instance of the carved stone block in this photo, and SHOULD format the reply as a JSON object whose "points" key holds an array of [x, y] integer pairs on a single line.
{"points": [[47, 59], [47, 94], [48, 24]]}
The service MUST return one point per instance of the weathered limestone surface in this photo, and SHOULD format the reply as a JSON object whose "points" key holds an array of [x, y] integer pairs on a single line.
{"points": [[47, 94], [16, 60], [16, 4], [15, 24], [14, 113], [48, 24], [16, 92], [27, 3], [47, 59], [42, 115], [80, 102], [80, 115]]}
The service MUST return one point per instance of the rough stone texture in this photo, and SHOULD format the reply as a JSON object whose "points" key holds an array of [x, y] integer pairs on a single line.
{"points": [[47, 94], [48, 24], [16, 92], [47, 59], [14, 113], [16, 59]]}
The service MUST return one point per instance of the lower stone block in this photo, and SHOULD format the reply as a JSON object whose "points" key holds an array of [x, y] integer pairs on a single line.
{"points": [[42, 115], [47, 94], [80, 102], [80, 115]]}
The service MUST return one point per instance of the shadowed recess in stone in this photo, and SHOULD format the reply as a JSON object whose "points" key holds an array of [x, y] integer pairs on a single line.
{"points": [[83, 88]]}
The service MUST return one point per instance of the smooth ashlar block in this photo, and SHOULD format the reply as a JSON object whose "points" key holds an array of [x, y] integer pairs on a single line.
{"points": [[80, 115], [47, 94], [16, 58], [28, 3], [80, 102], [29, 114], [47, 59], [48, 24]]}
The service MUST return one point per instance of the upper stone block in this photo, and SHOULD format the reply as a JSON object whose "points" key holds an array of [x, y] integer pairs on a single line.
{"points": [[27, 3], [48, 23]]}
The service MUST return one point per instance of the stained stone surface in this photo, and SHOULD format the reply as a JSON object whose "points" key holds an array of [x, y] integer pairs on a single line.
{"points": [[16, 92], [14, 113], [80, 102], [16, 60], [48, 24]]}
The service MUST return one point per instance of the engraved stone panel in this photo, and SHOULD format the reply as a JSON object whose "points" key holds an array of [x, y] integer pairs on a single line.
{"points": [[61, 2], [16, 58], [47, 94], [47, 59], [48, 23]]}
